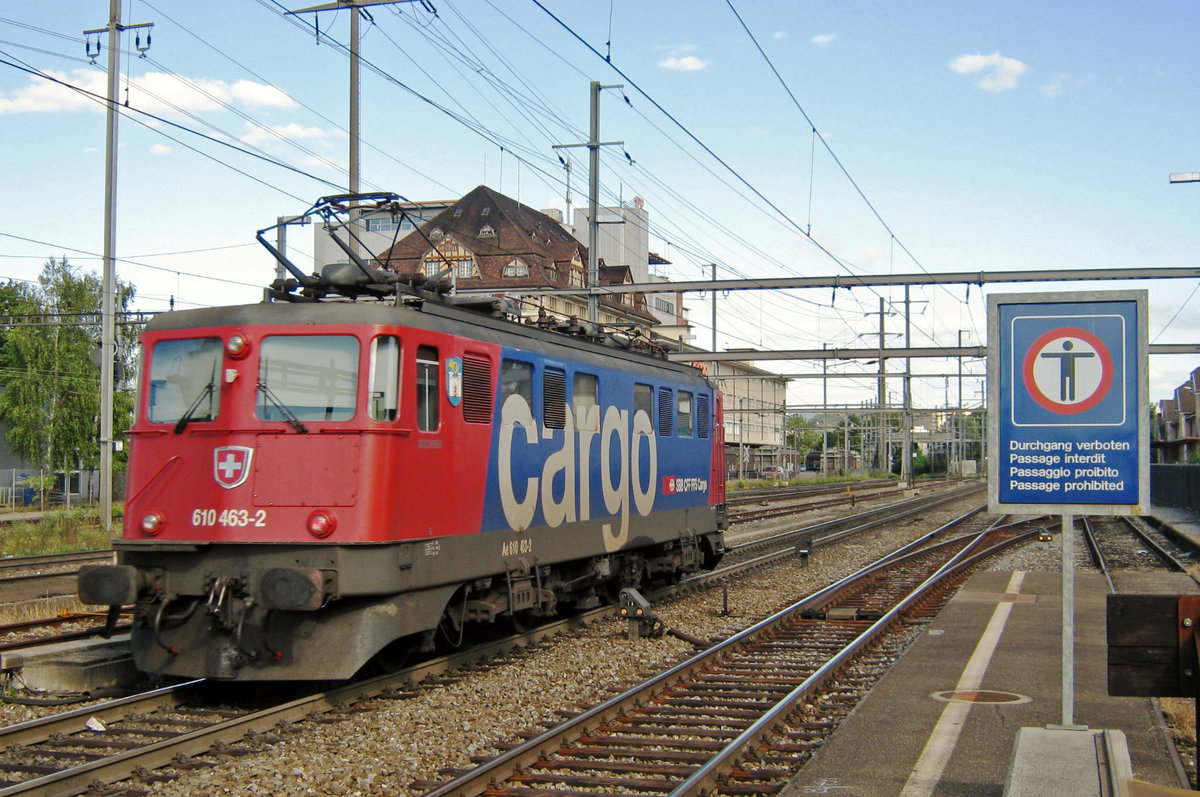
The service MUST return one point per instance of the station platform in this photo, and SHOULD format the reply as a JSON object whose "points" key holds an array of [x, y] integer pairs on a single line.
{"points": [[74, 666], [945, 719]]}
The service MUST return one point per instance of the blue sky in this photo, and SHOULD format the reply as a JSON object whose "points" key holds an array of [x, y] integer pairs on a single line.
{"points": [[983, 136]]}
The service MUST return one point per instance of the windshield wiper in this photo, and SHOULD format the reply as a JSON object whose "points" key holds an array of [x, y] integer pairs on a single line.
{"points": [[284, 409], [186, 418]]}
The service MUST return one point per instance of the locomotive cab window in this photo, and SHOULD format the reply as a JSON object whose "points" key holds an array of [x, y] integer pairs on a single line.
{"points": [[643, 401], [184, 380], [685, 414], [307, 378], [427, 388], [586, 399], [516, 377], [383, 391]]}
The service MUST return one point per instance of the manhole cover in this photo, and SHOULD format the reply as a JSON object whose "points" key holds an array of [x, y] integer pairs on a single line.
{"points": [[980, 696]]}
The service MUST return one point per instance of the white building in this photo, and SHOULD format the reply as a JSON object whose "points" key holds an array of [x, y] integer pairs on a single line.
{"points": [[623, 239], [379, 230]]}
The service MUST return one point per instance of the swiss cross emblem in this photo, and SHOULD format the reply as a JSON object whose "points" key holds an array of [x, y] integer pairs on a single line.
{"points": [[231, 465]]}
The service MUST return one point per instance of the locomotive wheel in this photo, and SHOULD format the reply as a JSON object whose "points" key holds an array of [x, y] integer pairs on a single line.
{"points": [[394, 656], [521, 622]]}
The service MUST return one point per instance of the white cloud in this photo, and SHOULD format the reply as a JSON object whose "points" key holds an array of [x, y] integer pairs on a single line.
{"points": [[154, 92], [44, 96], [313, 162], [254, 134], [823, 39], [1001, 73], [688, 63], [1055, 87], [1060, 83], [780, 34], [258, 95], [160, 149]]}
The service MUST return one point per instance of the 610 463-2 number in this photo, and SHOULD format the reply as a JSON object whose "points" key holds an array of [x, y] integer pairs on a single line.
{"points": [[230, 518]]}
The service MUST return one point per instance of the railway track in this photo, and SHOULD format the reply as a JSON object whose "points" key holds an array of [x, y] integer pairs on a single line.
{"points": [[741, 717], [1122, 543], [45, 631], [782, 502], [823, 533], [784, 493], [13, 564], [26, 578], [62, 755]]}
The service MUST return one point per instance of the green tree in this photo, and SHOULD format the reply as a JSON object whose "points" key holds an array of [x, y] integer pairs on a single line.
{"points": [[49, 367], [802, 434]]}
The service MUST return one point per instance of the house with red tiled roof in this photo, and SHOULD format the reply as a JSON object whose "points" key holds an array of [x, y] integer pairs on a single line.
{"points": [[488, 241]]}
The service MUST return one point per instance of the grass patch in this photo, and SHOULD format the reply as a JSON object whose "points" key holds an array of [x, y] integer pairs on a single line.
{"points": [[41, 608], [57, 532]]}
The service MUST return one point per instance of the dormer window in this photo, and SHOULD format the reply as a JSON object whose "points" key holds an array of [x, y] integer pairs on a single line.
{"points": [[485, 211], [457, 212], [516, 268], [487, 232], [436, 234]]}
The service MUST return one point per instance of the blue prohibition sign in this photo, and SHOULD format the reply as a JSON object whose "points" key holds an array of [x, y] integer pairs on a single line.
{"points": [[1068, 420]]}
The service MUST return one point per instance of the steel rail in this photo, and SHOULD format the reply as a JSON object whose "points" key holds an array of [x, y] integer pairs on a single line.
{"points": [[1162, 553], [863, 520], [1168, 738], [1093, 546], [708, 776], [39, 730], [478, 780], [801, 491], [51, 560]]}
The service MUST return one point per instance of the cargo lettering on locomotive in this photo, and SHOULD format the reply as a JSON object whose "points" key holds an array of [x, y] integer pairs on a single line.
{"points": [[621, 481]]}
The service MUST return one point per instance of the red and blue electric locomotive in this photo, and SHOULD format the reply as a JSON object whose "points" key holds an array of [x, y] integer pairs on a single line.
{"points": [[363, 468]]}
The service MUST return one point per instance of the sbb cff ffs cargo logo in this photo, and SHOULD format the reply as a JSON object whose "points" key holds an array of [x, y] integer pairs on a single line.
{"points": [[674, 485]]}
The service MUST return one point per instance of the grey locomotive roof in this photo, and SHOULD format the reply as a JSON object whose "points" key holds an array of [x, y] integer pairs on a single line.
{"points": [[432, 316]]}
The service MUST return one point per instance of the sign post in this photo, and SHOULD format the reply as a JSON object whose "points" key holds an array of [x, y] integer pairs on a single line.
{"points": [[1068, 427]]}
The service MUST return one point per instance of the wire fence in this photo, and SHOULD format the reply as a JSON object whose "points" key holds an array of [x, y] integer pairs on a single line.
{"points": [[22, 488]]}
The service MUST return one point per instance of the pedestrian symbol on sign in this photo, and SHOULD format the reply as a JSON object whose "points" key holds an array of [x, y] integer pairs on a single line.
{"points": [[1068, 370]]}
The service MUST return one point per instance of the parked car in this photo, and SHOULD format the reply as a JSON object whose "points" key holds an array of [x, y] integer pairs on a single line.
{"points": [[773, 472]]}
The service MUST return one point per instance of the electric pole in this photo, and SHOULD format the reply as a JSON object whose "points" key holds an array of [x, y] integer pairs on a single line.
{"points": [[594, 144], [108, 342], [355, 7]]}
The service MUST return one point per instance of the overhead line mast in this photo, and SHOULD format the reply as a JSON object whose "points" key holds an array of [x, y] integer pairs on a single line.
{"points": [[108, 347], [594, 144], [355, 7]]}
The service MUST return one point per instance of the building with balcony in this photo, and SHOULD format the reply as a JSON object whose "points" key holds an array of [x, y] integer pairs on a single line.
{"points": [[1175, 436]]}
